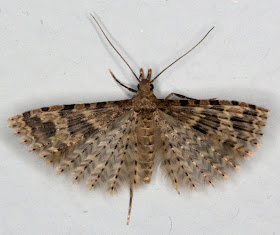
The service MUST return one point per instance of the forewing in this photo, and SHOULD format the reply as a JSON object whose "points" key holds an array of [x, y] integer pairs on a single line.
{"points": [[56, 130], [204, 139], [96, 141]]}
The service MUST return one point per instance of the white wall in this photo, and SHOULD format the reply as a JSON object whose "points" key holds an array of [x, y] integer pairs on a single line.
{"points": [[52, 53]]}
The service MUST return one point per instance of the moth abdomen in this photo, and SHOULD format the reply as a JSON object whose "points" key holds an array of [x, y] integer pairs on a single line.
{"points": [[145, 135]]}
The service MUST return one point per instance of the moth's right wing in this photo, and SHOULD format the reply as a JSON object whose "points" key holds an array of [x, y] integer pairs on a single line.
{"points": [[204, 139]]}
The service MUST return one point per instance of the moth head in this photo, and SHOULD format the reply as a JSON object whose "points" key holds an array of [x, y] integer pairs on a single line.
{"points": [[145, 84]]}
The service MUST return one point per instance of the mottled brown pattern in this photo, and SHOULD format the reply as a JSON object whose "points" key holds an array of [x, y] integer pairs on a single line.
{"points": [[110, 143], [116, 142]]}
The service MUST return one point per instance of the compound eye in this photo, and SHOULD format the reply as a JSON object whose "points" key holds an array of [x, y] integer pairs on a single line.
{"points": [[138, 87], [151, 87]]}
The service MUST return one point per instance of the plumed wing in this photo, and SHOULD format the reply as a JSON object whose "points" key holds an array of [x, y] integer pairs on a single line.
{"points": [[54, 131], [204, 139], [104, 159], [95, 141]]}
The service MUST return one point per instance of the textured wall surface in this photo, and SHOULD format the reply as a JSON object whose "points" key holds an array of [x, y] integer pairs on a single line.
{"points": [[53, 53]]}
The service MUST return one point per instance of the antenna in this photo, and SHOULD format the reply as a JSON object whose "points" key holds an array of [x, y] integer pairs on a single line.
{"points": [[182, 55], [113, 46]]}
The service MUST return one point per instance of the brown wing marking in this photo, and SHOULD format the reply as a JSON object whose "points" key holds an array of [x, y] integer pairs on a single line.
{"points": [[225, 126], [95, 143], [195, 170], [206, 137], [57, 130], [108, 152]]}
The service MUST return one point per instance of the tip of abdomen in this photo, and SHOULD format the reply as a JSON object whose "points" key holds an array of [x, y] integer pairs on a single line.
{"points": [[147, 179]]}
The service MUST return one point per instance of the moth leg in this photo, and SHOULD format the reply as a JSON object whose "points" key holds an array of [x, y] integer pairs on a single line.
{"points": [[183, 97], [128, 88], [179, 96], [130, 204]]}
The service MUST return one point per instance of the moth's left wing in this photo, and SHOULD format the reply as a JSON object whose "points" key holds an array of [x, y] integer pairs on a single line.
{"points": [[56, 130], [95, 141], [204, 139]]}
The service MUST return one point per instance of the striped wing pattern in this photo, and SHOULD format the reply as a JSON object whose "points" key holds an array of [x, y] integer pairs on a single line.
{"points": [[204, 139], [108, 144], [88, 139]]}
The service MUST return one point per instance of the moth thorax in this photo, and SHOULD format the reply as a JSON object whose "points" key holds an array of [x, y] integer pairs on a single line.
{"points": [[148, 76]]}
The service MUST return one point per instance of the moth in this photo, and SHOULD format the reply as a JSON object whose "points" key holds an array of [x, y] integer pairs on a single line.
{"points": [[115, 143]]}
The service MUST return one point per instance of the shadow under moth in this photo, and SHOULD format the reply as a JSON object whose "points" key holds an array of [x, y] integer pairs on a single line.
{"points": [[115, 143]]}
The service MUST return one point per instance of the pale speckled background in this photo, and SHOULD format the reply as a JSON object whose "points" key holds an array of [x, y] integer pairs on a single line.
{"points": [[52, 53]]}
